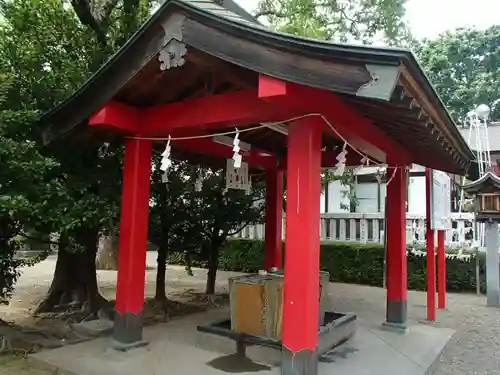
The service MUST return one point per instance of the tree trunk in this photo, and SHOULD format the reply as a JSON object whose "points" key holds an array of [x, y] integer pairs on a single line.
{"points": [[213, 264], [74, 284], [107, 253], [161, 294]]}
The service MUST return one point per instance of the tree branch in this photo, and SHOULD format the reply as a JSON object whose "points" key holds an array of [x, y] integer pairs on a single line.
{"points": [[247, 223], [94, 14], [101, 9]]}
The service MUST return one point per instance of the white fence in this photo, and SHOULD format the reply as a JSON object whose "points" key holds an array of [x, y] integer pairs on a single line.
{"points": [[369, 228]]}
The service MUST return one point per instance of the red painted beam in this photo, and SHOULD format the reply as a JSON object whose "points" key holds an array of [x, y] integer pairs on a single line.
{"points": [[126, 118], [273, 255], [133, 227], [117, 116], [232, 109], [206, 146], [430, 249], [240, 108], [359, 131], [441, 271], [396, 314], [301, 303]]}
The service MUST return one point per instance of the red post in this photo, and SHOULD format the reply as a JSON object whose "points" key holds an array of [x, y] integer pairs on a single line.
{"points": [[396, 314], [441, 271], [301, 300], [274, 219], [127, 331], [431, 253]]}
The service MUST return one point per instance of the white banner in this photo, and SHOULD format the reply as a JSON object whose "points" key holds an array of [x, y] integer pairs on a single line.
{"points": [[440, 201]]}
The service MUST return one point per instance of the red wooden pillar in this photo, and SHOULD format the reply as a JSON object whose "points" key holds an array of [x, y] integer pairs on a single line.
{"points": [[441, 271], [430, 246], [274, 219], [396, 314], [301, 300], [127, 331]]}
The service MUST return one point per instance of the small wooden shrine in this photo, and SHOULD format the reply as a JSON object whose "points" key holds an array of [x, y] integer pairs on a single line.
{"points": [[486, 191], [487, 207]]}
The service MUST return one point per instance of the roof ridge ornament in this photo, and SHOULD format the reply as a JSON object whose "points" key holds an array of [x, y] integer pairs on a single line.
{"points": [[173, 51], [383, 83]]}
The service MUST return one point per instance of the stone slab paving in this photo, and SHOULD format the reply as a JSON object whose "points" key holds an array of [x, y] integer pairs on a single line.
{"points": [[173, 350], [375, 351], [473, 350]]}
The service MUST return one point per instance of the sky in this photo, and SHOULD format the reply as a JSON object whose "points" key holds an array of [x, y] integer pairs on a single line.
{"points": [[429, 18]]}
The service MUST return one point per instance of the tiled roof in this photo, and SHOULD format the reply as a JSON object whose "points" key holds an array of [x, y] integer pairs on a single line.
{"points": [[493, 136]]}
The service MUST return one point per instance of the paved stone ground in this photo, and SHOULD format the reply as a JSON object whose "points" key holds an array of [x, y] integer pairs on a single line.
{"points": [[474, 349]]}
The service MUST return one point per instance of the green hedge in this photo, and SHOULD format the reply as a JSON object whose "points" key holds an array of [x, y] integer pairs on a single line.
{"points": [[349, 263]]}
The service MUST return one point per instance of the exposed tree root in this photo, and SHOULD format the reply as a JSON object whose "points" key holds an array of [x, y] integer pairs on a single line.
{"points": [[74, 288]]}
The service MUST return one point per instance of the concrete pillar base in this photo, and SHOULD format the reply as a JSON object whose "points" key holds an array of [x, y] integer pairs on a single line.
{"points": [[125, 347], [304, 362], [493, 301], [395, 327], [127, 332], [492, 266]]}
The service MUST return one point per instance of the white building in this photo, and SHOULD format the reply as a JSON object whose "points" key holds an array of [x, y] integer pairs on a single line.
{"points": [[364, 221], [370, 193]]}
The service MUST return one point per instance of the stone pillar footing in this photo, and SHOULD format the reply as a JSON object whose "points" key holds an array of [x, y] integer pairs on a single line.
{"points": [[395, 327], [124, 347], [304, 362], [127, 331]]}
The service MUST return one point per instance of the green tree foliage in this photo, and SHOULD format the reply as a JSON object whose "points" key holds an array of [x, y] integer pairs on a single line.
{"points": [[222, 213], [26, 196], [51, 48], [356, 263], [173, 225], [197, 221], [339, 20], [33, 194], [464, 66], [48, 53], [44, 56]]}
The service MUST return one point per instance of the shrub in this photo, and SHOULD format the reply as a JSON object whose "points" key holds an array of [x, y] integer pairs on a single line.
{"points": [[351, 263]]}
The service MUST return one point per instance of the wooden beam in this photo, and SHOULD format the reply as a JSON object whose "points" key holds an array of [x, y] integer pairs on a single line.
{"points": [[117, 116], [239, 108], [359, 131]]}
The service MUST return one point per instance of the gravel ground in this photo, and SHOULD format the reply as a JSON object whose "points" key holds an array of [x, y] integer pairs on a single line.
{"points": [[475, 347], [473, 350]]}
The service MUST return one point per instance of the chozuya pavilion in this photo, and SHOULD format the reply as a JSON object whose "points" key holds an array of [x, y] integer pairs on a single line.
{"points": [[195, 69]]}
